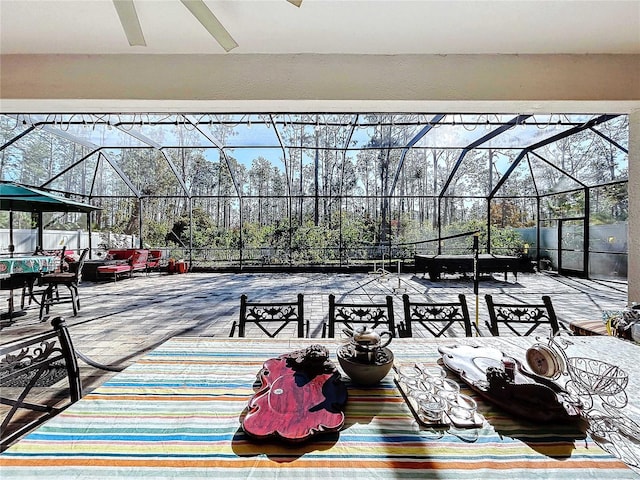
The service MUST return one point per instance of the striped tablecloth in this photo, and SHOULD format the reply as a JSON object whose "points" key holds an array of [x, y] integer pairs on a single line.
{"points": [[176, 414]]}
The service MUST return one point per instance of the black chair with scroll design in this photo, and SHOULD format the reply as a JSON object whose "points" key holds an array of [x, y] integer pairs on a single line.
{"points": [[521, 318], [271, 317], [354, 315], [438, 319], [30, 364]]}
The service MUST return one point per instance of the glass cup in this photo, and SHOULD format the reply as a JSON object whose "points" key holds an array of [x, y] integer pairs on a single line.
{"points": [[408, 371], [431, 371], [438, 383], [409, 376], [448, 396], [463, 408], [432, 408], [420, 395], [447, 385]]}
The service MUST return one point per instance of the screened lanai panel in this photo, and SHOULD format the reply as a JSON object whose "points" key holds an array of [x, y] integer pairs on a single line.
{"points": [[148, 170], [101, 134], [471, 178], [588, 157], [549, 178], [245, 133], [534, 129], [39, 156], [608, 231], [609, 204], [462, 215], [196, 168], [418, 175], [12, 126], [119, 214], [460, 131], [474, 176], [565, 205], [601, 153], [166, 131], [108, 181], [519, 182], [518, 212], [376, 132], [261, 172], [78, 179]]}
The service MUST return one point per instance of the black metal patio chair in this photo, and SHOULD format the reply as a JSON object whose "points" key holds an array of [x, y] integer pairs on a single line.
{"points": [[30, 364], [271, 317], [354, 315], [438, 319], [521, 318]]}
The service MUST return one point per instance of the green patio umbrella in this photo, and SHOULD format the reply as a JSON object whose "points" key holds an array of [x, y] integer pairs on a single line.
{"points": [[20, 198]]}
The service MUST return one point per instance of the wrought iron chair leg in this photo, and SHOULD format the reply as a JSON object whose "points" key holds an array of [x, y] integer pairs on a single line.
{"points": [[73, 299], [44, 302]]}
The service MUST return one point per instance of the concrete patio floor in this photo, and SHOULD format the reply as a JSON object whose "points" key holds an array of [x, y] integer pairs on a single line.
{"points": [[120, 321]]}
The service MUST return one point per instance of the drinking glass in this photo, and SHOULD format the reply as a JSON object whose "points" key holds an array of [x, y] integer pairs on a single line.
{"points": [[431, 408], [463, 407], [433, 371]]}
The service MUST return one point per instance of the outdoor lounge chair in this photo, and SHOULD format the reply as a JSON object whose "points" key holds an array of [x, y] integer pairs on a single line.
{"points": [[354, 315], [521, 319], [127, 262], [271, 318], [438, 319]]}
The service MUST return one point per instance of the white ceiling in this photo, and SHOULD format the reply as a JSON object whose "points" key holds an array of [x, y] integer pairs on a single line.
{"points": [[325, 26]]}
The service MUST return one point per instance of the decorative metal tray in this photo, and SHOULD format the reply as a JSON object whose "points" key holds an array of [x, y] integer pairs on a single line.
{"points": [[301, 395], [519, 391]]}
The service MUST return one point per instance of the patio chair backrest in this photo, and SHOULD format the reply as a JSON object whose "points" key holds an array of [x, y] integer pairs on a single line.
{"points": [[354, 315], [29, 363], [521, 319], [40, 360], [53, 253], [271, 317], [438, 319]]}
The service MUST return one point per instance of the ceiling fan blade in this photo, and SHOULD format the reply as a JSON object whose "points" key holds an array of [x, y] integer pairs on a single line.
{"points": [[211, 23], [297, 3], [130, 22]]}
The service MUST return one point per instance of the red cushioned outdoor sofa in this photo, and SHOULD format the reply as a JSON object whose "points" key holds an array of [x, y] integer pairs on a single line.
{"points": [[127, 261]]}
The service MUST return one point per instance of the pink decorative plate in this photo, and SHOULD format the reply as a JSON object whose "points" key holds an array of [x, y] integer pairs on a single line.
{"points": [[301, 395]]}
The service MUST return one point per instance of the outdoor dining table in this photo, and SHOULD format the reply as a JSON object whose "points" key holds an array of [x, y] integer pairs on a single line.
{"points": [[23, 270], [176, 413]]}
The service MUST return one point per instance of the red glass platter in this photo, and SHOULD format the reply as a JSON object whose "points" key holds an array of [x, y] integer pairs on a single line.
{"points": [[301, 395]]}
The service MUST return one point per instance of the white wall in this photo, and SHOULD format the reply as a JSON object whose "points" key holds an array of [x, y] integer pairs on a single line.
{"points": [[450, 83]]}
